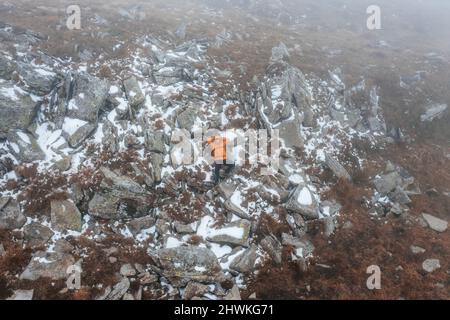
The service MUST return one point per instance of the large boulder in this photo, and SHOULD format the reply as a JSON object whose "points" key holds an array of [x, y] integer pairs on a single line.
{"points": [[52, 265], [234, 234], [65, 215], [88, 95], [76, 131], [24, 147], [183, 264], [37, 80], [17, 109], [133, 92], [337, 168]]}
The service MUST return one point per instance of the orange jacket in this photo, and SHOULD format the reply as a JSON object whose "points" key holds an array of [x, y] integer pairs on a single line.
{"points": [[219, 147]]}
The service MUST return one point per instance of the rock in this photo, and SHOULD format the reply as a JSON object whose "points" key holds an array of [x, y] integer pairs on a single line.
{"points": [[37, 80], [434, 112], [147, 278], [434, 223], [183, 264], [234, 234], [121, 197], [51, 265], [11, 216], [22, 295], [137, 225], [400, 196], [37, 234], [89, 95], [273, 248], [388, 182], [230, 206], [119, 290], [76, 131], [245, 262], [337, 168], [431, 265], [194, 289], [155, 141], [181, 31], [24, 147], [17, 109], [65, 216], [2, 250], [417, 250], [330, 226], [183, 228], [303, 246], [134, 93], [127, 270], [233, 294], [186, 118], [226, 189], [157, 161], [290, 133], [303, 202], [280, 53], [171, 75]]}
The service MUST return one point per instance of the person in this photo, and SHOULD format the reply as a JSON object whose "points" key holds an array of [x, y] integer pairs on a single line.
{"points": [[218, 146]]}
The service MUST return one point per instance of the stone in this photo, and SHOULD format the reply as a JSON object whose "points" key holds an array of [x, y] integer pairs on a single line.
{"points": [[303, 202], [2, 250], [127, 270], [52, 265], [233, 294], [231, 207], [119, 290], [137, 225], [434, 223], [171, 75], [11, 216], [186, 118], [388, 182], [194, 289], [434, 112], [155, 141], [280, 53], [37, 80], [24, 147], [431, 265], [337, 168], [65, 216], [89, 95], [17, 109], [77, 131], [37, 234], [417, 250], [181, 228], [273, 248], [22, 295], [234, 234], [400, 196], [303, 246], [290, 133], [7, 67], [245, 262], [183, 264], [134, 93]]}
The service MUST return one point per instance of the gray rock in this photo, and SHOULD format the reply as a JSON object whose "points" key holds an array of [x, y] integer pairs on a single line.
{"points": [[76, 136], [222, 236], [65, 216], [157, 160], [183, 264], [233, 294], [231, 207], [303, 202], [171, 75], [290, 133], [52, 265], [337, 168], [194, 289], [417, 250], [37, 80], [89, 95], [186, 119], [134, 93], [119, 290], [24, 147], [2, 250], [431, 265], [183, 228], [155, 142], [17, 109], [280, 53], [37, 234], [22, 295], [388, 182], [245, 262], [7, 67], [226, 189], [434, 112], [303, 244], [273, 248], [400, 196], [137, 225], [127, 270], [11, 216], [434, 223]]}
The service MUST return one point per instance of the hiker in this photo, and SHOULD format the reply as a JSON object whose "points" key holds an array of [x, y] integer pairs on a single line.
{"points": [[219, 152]]}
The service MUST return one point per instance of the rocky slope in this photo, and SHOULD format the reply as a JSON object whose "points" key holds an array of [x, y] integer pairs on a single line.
{"points": [[91, 170]]}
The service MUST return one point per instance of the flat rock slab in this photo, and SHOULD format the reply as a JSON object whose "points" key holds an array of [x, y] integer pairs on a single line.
{"points": [[65, 215], [434, 223], [431, 265]]}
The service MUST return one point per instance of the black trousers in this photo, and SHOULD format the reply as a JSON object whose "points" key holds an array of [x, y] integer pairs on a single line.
{"points": [[218, 166]]}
